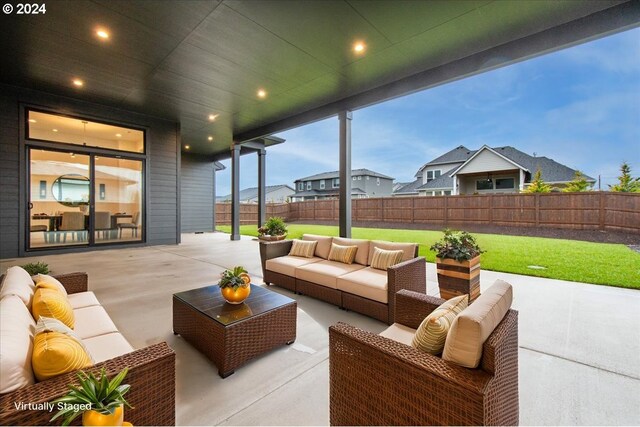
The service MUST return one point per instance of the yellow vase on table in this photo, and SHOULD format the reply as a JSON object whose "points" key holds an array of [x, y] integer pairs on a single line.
{"points": [[238, 295], [95, 418]]}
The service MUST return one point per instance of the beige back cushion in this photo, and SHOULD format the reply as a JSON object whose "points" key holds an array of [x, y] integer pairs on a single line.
{"points": [[324, 244], [303, 248], [362, 256], [16, 346], [408, 249], [472, 327], [18, 282]]}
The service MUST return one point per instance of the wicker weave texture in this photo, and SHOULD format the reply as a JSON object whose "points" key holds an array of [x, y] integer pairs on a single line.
{"points": [[269, 250], [151, 376], [281, 280], [320, 292], [229, 347]]}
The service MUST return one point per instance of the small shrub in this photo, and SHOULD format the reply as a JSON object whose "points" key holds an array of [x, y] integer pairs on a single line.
{"points": [[34, 268], [458, 245]]}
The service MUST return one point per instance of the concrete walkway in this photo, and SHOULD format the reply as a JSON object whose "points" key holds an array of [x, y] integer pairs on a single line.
{"points": [[579, 343]]}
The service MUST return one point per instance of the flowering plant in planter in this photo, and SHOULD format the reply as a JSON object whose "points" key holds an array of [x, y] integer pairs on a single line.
{"points": [[458, 245], [274, 226]]}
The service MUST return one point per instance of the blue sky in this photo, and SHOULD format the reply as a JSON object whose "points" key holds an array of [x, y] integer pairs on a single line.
{"points": [[579, 106]]}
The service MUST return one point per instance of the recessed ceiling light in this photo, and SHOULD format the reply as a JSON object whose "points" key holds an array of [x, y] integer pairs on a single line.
{"points": [[32, 121], [72, 155], [118, 135], [262, 93], [210, 138], [102, 33], [212, 117], [78, 82], [359, 47], [55, 130], [186, 147]]}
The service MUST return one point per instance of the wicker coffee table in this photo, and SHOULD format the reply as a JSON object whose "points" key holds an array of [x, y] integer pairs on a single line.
{"points": [[228, 334]]}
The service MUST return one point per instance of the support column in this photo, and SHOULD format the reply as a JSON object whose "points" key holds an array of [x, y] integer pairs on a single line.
{"points": [[454, 192], [345, 173], [521, 180], [262, 191], [235, 192]]}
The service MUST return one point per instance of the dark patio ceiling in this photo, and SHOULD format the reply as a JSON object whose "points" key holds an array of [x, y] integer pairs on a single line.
{"points": [[184, 60]]}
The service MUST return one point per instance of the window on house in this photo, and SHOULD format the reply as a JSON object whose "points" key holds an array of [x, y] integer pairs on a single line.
{"points": [[322, 184], [367, 177], [377, 181], [437, 173], [336, 182], [360, 178], [301, 186], [484, 184], [354, 178], [505, 183], [447, 193], [308, 185], [431, 175]]}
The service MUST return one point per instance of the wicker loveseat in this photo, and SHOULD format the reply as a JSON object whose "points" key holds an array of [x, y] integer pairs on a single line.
{"points": [[151, 374], [375, 380], [358, 286]]}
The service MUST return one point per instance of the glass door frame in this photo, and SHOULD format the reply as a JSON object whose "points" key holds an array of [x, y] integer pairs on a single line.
{"points": [[25, 182]]}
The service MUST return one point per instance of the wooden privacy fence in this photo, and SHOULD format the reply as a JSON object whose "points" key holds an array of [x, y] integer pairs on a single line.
{"points": [[582, 211]]}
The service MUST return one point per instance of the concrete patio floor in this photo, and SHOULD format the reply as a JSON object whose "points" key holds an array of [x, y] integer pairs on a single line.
{"points": [[579, 343]]}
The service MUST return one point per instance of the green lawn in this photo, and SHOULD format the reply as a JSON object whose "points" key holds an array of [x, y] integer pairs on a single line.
{"points": [[598, 263]]}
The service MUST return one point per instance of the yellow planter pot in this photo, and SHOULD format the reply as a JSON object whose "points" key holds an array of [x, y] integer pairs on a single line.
{"points": [[95, 418]]}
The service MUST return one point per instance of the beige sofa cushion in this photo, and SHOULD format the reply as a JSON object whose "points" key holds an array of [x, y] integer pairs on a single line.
{"points": [[108, 346], [92, 322], [345, 254], [432, 332], [367, 283], [472, 327], [303, 248], [383, 259], [400, 333], [408, 249], [16, 344], [325, 273], [362, 256], [324, 244], [18, 282], [287, 264], [82, 299]]}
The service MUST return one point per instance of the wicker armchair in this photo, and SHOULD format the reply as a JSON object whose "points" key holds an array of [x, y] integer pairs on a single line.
{"points": [[151, 376], [378, 381]]}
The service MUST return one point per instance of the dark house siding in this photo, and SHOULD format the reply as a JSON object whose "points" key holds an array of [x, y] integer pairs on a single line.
{"points": [[197, 195], [162, 168]]}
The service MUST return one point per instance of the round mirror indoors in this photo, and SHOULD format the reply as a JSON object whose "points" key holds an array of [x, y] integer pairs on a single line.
{"points": [[71, 190]]}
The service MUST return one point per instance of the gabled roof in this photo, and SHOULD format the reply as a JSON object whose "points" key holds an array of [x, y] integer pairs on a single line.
{"points": [[336, 174], [329, 192], [252, 193], [499, 153], [409, 187], [457, 155], [443, 181]]}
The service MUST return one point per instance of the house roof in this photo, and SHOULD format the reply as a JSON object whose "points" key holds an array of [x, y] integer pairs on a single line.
{"points": [[252, 193], [498, 152], [443, 181], [336, 174], [457, 155], [330, 192]]}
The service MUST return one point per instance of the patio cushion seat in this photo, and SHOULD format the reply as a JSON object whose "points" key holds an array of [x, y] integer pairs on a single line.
{"points": [[18, 282], [408, 249], [92, 322], [367, 282], [108, 346], [83, 299], [324, 244], [325, 273], [287, 264], [400, 333]]}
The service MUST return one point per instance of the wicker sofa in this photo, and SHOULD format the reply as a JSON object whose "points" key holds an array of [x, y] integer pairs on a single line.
{"points": [[375, 380], [151, 370], [357, 287]]}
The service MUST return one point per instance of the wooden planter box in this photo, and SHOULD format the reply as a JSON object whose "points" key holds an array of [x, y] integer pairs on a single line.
{"points": [[458, 278], [272, 238]]}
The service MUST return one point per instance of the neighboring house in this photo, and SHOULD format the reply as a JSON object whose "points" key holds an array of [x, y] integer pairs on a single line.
{"points": [[487, 170], [366, 183], [274, 194]]}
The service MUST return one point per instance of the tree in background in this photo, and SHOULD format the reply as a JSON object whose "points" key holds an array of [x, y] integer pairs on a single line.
{"points": [[626, 184], [538, 185], [579, 183]]}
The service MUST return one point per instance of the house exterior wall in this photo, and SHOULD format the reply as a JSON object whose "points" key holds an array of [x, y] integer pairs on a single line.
{"points": [[369, 186], [445, 167], [486, 161], [281, 195], [467, 184], [163, 142], [197, 185]]}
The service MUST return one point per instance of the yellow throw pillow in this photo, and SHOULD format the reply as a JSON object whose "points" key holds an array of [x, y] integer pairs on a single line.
{"points": [[303, 248], [432, 332], [344, 254], [383, 259], [55, 353], [50, 282], [52, 303]]}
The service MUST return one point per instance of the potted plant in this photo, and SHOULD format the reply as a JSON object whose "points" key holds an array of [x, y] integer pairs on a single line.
{"points": [[458, 262], [235, 285], [34, 268], [273, 229], [100, 400]]}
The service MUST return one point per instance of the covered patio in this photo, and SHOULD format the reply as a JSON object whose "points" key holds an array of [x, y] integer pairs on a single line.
{"points": [[578, 346]]}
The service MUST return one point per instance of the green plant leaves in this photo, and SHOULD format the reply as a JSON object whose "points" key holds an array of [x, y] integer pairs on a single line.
{"points": [[458, 245]]}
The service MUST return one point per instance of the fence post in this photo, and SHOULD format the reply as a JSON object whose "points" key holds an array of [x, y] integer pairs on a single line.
{"points": [[490, 209], [446, 211], [413, 209], [602, 218], [537, 198]]}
